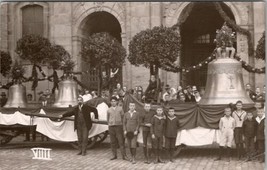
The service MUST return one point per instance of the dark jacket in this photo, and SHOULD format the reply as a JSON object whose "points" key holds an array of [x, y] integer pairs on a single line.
{"points": [[146, 118], [86, 110], [190, 98], [249, 128], [172, 126], [260, 130], [158, 126]]}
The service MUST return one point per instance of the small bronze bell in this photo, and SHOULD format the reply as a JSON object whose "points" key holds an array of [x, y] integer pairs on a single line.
{"points": [[16, 96], [67, 94]]}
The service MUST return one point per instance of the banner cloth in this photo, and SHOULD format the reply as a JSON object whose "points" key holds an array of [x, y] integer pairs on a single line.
{"points": [[61, 131]]}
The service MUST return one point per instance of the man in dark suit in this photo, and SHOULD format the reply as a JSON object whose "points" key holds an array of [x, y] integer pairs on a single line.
{"points": [[82, 122]]}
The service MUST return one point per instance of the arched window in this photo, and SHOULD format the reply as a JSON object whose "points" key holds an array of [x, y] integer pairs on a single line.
{"points": [[32, 20], [203, 39]]}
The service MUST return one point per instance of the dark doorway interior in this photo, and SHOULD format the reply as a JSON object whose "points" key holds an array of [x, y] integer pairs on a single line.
{"points": [[95, 23], [198, 33]]}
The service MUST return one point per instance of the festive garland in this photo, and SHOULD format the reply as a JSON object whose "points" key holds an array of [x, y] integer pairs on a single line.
{"points": [[176, 69], [236, 27], [249, 68], [184, 16]]}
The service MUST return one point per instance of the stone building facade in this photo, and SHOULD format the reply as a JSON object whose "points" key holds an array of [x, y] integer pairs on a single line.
{"points": [[66, 23]]}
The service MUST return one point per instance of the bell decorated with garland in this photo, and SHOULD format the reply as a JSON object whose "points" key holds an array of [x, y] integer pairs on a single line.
{"points": [[16, 96], [225, 79]]}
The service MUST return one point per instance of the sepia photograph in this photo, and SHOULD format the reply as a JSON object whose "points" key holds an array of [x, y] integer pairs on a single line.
{"points": [[100, 85]]}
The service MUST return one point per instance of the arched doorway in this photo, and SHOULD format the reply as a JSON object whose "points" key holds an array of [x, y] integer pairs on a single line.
{"points": [[94, 23], [198, 33]]}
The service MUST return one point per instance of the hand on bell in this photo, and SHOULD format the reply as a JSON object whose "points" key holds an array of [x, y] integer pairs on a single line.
{"points": [[135, 132]]}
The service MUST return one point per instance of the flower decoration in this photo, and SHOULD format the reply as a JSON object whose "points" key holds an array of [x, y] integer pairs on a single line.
{"points": [[17, 71], [225, 37]]}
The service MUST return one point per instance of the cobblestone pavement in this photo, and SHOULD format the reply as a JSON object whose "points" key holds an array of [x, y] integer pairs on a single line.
{"points": [[17, 155]]}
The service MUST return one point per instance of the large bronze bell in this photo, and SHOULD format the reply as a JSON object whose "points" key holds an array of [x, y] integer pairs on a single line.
{"points": [[225, 83], [16, 96], [67, 94]]}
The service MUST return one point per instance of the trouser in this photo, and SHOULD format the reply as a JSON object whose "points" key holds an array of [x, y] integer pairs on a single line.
{"points": [[82, 133], [146, 138], [116, 137], [261, 148], [249, 143]]}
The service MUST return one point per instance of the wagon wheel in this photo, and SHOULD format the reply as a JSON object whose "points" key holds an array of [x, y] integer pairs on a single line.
{"points": [[4, 139], [101, 137], [91, 143]]}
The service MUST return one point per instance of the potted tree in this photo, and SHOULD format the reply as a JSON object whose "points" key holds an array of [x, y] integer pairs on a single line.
{"points": [[6, 62], [105, 54], [35, 49], [155, 48], [260, 50]]}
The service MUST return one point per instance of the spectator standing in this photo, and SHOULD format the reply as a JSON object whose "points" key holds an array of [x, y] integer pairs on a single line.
{"points": [[260, 137], [172, 126], [146, 117], [131, 123], [115, 125], [157, 130], [239, 115], [226, 126]]}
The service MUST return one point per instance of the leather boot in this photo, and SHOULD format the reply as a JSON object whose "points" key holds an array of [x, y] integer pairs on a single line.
{"points": [[159, 159], [145, 154], [220, 154], [114, 152], [171, 155], [134, 153], [156, 155]]}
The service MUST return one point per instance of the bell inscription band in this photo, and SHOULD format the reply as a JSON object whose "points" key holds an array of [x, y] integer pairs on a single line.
{"points": [[67, 94], [16, 96], [225, 83]]}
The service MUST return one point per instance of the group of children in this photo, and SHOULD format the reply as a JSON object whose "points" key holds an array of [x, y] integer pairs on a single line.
{"points": [[154, 128], [235, 125], [239, 125]]}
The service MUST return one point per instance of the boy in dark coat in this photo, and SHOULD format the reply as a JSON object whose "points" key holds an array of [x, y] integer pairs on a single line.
{"points": [[146, 124], [172, 125], [249, 130], [260, 133], [157, 131], [131, 123]]}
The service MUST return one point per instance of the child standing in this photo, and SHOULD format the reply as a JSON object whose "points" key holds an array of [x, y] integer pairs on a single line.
{"points": [[172, 125], [249, 131], [146, 124], [239, 115], [260, 133], [157, 130], [131, 122], [226, 126]]}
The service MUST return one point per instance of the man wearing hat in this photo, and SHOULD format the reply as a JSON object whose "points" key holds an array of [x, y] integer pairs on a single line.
{"points": [[3, 99]]}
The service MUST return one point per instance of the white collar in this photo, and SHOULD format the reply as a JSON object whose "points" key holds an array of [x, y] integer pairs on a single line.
{"points": [[161, 117], [171, 118], [260, 119], [132, 112]]}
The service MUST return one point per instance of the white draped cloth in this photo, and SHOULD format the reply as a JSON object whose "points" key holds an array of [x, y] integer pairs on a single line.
{"points": [[16, 118], [61, 131], [198, 136]]}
